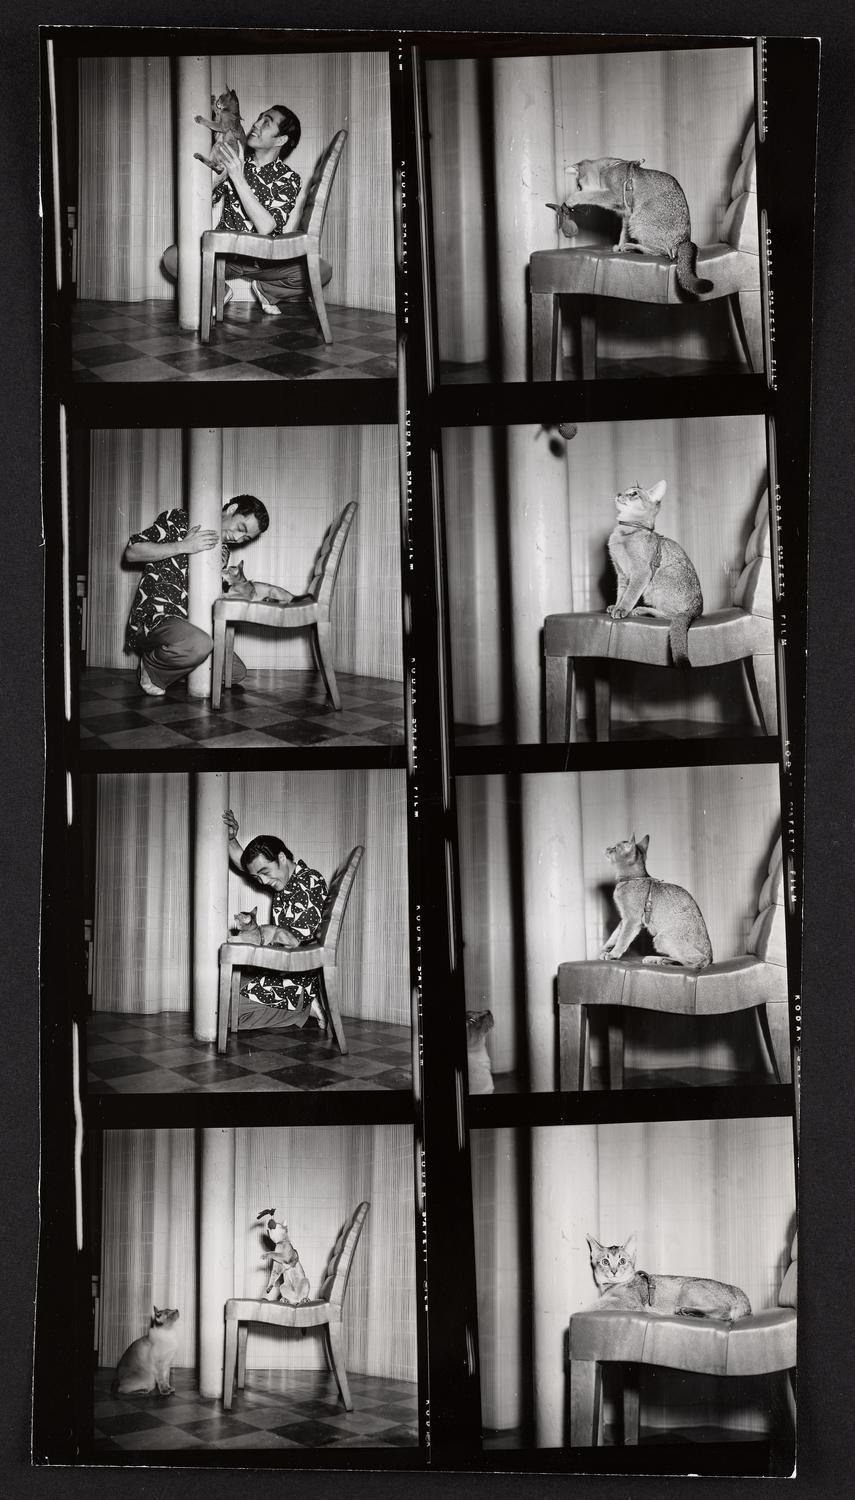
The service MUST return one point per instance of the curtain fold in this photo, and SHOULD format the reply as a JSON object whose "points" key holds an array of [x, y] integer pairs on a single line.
{"points": [[305, 476], [127, 166], [142, 936], [314, 1177]]}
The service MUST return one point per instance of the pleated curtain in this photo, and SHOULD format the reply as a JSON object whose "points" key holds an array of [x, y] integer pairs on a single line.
{"points": [[685, 112], [706, 1198], [305, 476], [142, 926], [715, 470], [127, 166], [712, 830], [315, 1177]]}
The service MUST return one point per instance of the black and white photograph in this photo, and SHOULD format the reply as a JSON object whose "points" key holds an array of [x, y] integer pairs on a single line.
{"points": [[625, 928], [278, 1314], [637, 1284], [595, 214], [279, 620], [230, 216], [611, 580], [248, 931]]}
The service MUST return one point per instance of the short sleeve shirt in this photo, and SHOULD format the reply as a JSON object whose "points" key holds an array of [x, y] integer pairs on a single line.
{"points": [[275, 185], [162, 590]]}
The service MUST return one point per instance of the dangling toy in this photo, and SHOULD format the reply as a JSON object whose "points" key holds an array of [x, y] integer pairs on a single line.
{"points": [[286, 1281]]}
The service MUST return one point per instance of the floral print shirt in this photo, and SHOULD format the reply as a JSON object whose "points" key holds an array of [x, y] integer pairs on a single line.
{"points": [[162, 590], [275, 185]]}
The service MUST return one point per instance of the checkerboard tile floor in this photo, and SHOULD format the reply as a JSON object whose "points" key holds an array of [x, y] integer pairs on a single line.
{"points": [[276, 1409], [268, 709], [134, 1054], [130, 341]]}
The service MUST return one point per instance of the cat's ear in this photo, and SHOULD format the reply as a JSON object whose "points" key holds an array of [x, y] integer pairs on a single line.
{"points": [[158, 1312], [642, 844], [253, 912], [657, 491], [595, 1246], [630, 1247]]}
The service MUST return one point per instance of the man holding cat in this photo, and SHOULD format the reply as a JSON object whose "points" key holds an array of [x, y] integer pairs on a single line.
{"points": [[256, 193], [158, 628]]}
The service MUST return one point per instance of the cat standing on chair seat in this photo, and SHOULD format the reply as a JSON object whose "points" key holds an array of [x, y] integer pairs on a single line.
{"points": [[654, 569], [652, 208], [622, 1287], [247, 930], [671, 916], [146, 1364]]}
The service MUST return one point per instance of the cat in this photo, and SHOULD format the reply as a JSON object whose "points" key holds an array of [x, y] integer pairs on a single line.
{"points": [[478, 1023], [286, 1281], [146, 1363], [621, 1286], [238, 586], [671, 916], [653, 568], [268, 935], [225, 127], [652, 207]]}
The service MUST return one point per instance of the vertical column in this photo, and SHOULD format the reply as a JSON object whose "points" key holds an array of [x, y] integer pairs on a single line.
{"points": [[210, 897], [564, 1207], [194, 183], [216, 1253], [205, 508], [553, 904]]}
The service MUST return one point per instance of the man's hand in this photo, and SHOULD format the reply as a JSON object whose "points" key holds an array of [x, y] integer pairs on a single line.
{"points": [[233, 161], [231, 823], [198, 540]]}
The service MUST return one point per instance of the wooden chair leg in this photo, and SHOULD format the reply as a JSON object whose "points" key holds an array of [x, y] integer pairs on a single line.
{"points": [[760, 676], [243, 1335], [230, 1361], [773, 1022], [224, 1003], [323, 637], [631, 1406], [573, 1037], [560, 700], [335, 1344], [313, 264], [545, 336], [333, 994], [220, 285], [229, 662], [748, 323], [234, 1017], [217, 663], [588, 339], [602, 704], [586, 1394], [616, 1052], [206, 296]]}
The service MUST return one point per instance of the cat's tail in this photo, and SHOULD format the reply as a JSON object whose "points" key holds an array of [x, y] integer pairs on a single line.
{"points": [[678, 635], [741, 1306], [687, 253]]}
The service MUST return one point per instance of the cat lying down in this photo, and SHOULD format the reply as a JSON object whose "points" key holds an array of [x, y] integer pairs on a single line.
{"points": [[622, 1287]]}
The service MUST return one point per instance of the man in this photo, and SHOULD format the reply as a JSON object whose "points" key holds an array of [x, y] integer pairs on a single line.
{"points": [[257, 192], [158, 628]]}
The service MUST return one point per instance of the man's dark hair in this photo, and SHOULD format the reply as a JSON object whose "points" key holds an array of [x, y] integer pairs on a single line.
{"points": [[248, 505], [290, 128], [268, 846]]}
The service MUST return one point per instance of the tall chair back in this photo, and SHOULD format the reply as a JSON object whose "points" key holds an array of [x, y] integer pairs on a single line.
{"points": [[328, 560], [338, 895], [337, 1274], [320, 186]]}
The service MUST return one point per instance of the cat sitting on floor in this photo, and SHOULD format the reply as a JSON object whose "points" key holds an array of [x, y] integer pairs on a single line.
{"points": [[671, 916], [247, 930], [225, 127], [478, 1024], [652, 207], [622, 1287], [146, 1364], [654, 569]]}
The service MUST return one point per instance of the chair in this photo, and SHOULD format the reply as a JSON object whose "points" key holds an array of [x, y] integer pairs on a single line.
{"points": [[745, 633], [589, 272], [756, 981], [321, 952], [220, 245], [325, 1311], [230, 612], [762, 1344]]}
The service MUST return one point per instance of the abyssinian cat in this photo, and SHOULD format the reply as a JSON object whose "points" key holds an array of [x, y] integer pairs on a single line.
{"points": [[652, 207], [238, 586], [147, 1362], [247, 930], [225, 126], [671, 916], [654, 569], [479, 1068], [621, 1286]]}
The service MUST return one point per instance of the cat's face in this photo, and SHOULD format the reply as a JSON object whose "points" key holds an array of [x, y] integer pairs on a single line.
{"points": [[478, 1023], [164, 1317], [625, 852], [612, 1265], [637, 504], [227, 103], [244, 919]]}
